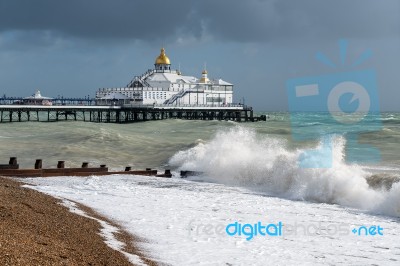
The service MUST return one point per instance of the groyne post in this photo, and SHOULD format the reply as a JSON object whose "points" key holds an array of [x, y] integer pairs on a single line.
{"points": [[61, 164], [38, 164], [13, 161]]}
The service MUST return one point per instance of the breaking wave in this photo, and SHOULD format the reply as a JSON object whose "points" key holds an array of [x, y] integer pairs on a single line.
{"points": [[241, 157]]}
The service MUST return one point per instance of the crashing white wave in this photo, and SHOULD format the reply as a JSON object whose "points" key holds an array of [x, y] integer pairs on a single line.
{"points": [[243, 158]]}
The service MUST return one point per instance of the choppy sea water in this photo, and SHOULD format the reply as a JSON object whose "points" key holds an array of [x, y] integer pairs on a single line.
{"points": [[261, 155], [153, 143], [260, 159]]}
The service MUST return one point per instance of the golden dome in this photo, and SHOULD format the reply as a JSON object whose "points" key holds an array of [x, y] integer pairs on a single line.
{"points": [[204, 72], [162, 59]]}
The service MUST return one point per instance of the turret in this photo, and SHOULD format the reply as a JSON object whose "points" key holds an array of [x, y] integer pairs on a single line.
{"points": [[204, 78]]}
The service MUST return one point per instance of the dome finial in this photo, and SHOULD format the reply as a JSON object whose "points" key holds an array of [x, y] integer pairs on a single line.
{"points": [[162, 59], [205, 68]]}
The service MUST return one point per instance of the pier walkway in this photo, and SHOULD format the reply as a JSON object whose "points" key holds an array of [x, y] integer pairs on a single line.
{"points": [[124, 114]]}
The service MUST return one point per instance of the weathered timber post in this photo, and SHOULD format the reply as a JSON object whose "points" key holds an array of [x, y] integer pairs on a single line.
{"points": [[61, 164], [38, 164], [13, 161]]}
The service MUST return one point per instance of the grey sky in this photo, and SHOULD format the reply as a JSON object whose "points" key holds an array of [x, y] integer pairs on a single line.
{"points": [[74, 47]]}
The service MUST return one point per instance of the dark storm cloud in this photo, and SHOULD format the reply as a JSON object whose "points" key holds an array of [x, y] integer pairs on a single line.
{"points": [[257, 20], [242, 21], [96, 18]]}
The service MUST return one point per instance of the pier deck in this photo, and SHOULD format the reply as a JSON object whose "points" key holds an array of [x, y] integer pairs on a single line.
{"points": [[123, 114]]}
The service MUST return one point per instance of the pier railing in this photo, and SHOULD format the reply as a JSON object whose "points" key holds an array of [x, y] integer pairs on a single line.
{"points": [[55, 101]]}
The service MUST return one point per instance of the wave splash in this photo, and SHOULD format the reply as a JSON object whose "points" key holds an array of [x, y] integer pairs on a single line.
{"points": [[241, 157]]}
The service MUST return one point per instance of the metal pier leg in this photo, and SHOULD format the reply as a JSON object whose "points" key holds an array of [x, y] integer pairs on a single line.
{"points": [[108, 117]]}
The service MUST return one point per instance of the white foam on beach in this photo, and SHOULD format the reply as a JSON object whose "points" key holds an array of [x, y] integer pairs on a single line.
{"points": [[183, 222], [240, 157]]}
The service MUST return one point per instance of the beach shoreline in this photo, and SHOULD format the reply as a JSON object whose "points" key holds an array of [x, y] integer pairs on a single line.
{"points": [[38, 229]]}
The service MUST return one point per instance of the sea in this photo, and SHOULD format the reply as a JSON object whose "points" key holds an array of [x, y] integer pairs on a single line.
{"points": [[329, 192]]}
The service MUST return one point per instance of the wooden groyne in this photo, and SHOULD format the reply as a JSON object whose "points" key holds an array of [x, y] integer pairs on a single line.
{"points": [[124, 114], [12, 169]]}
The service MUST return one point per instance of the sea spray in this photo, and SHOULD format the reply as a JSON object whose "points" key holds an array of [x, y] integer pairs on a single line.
{"points": [[241, 157]]}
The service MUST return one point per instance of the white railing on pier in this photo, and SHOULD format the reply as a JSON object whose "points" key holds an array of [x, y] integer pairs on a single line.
{"points": [[141, 78], [61, 107], [190, 106], [149, 106], [176, 97]]}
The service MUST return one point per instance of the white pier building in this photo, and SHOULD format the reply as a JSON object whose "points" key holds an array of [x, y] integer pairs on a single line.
{"points": [[164, 86]]}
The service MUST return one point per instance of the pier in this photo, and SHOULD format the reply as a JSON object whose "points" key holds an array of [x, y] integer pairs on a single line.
{"points": [[159, 93], [125, 113]]}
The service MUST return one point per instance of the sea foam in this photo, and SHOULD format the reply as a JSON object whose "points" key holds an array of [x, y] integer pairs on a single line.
{"points": [[241, 157]]}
